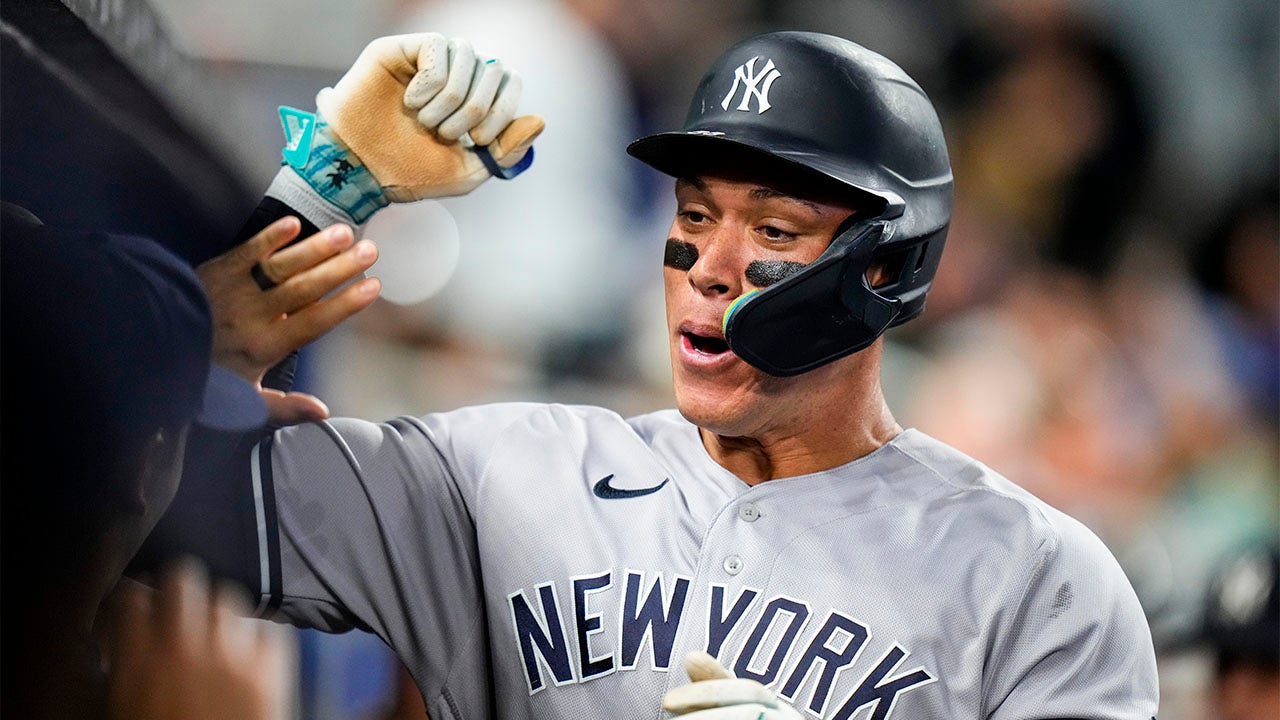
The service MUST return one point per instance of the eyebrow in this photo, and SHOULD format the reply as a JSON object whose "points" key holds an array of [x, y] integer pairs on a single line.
{"points": [[759, 192], [696, 182], [766, 193]]}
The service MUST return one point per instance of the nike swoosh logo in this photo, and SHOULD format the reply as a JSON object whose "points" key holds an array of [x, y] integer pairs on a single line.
{"points": [[606, 491]]}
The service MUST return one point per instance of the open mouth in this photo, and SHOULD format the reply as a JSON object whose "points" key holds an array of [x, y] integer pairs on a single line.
{"points": [[705, 344]]}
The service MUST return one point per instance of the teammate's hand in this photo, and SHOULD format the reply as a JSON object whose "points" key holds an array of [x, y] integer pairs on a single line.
{"points": [[190, 651], [253, 329], [715, 694]]}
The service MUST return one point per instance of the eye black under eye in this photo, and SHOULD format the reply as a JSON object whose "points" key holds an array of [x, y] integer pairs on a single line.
{"points": [[679, 255], [763, 273]]}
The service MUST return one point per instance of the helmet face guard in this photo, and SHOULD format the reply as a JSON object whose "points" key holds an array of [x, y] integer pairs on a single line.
{"points": [[820, 314], [838, 114]]}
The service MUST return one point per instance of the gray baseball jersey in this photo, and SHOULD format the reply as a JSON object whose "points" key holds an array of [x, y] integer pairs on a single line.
{"points": [[547, 561]]}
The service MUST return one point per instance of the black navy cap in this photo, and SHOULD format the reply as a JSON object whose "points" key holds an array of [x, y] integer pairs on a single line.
{"points": [[117, 328]]}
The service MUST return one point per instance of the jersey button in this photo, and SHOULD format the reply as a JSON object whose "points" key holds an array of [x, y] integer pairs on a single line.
{"points": [[749, 512], [733, 564]]}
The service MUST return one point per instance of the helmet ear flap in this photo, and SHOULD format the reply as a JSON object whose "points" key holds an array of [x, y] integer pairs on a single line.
{"points": [[874, 310]]}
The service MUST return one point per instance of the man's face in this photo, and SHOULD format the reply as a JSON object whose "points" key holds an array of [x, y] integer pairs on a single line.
{"points": [[155, 482], [722, 226]]}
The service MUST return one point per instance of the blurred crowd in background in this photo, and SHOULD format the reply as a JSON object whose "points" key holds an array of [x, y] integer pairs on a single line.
{"points": [[1104, 328]]}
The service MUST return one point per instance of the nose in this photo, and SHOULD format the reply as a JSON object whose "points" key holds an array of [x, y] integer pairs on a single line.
{"points": [[718, 269]]}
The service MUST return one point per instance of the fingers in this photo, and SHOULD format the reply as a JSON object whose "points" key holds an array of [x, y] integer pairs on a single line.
{"points": [[700, 665], [716, 693], [318, 318], [229, 628], [182, 603], [502, 111], [735, 712], [131, 624], [293, 408], [265, 241], [462, 61], [516, 140], [310, 321], [272, 663], [457, 93], [253, 327], [193, 652], [432, 71], [484, 87], [308, 286], [284, 264]]}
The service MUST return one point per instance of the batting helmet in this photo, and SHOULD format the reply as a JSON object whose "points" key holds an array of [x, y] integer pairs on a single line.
{"points": [[836, 112]]}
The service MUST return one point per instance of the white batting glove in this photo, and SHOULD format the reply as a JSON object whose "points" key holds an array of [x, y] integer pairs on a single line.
{"points": [[715, 694], [417, 116]]}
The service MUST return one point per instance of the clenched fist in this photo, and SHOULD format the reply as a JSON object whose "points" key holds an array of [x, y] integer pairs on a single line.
{"points": [[417, 116]]}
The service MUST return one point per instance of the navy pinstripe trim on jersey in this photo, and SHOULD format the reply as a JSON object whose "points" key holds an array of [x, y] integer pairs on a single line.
{"points": [[264, 505]]}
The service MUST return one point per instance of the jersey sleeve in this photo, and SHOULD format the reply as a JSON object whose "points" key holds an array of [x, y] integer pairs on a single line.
{"points": [[366, 525], [1079, 645]]}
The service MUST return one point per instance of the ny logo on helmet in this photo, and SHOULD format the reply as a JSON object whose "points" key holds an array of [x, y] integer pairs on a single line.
{"points": [[753, 85]]}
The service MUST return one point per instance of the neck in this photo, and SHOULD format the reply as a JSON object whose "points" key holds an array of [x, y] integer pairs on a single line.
{"points": [[839, 429]]}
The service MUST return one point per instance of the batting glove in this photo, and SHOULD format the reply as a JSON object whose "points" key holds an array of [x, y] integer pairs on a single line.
{"points": [[715, 694], [417, 116]]}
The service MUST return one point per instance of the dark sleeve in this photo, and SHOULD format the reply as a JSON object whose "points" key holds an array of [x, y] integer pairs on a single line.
{"points": [[212, 516], [268, 211], [280, 376]]}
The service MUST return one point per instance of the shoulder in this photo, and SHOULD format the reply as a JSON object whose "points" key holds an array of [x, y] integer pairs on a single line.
{"points": [[470, 429], [994, 507], [525, 429]]}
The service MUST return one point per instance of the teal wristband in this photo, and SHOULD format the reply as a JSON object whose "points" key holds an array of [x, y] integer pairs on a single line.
{"points": [[329, 166]]}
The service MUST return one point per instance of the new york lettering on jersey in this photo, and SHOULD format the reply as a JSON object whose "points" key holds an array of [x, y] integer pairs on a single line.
{"points": [[559, 628]]}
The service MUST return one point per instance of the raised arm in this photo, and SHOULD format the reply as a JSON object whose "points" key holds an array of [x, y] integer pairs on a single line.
{"points": [[417, 116]]}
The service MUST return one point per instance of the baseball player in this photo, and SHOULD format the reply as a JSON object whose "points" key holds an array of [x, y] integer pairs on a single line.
{"points": [[776, 546]]}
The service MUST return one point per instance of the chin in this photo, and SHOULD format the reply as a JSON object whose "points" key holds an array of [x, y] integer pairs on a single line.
{"points": [[717, 410]]}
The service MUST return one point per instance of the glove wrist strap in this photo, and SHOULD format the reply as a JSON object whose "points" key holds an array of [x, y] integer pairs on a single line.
{"points": [[289, 188], [328, 166]]}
